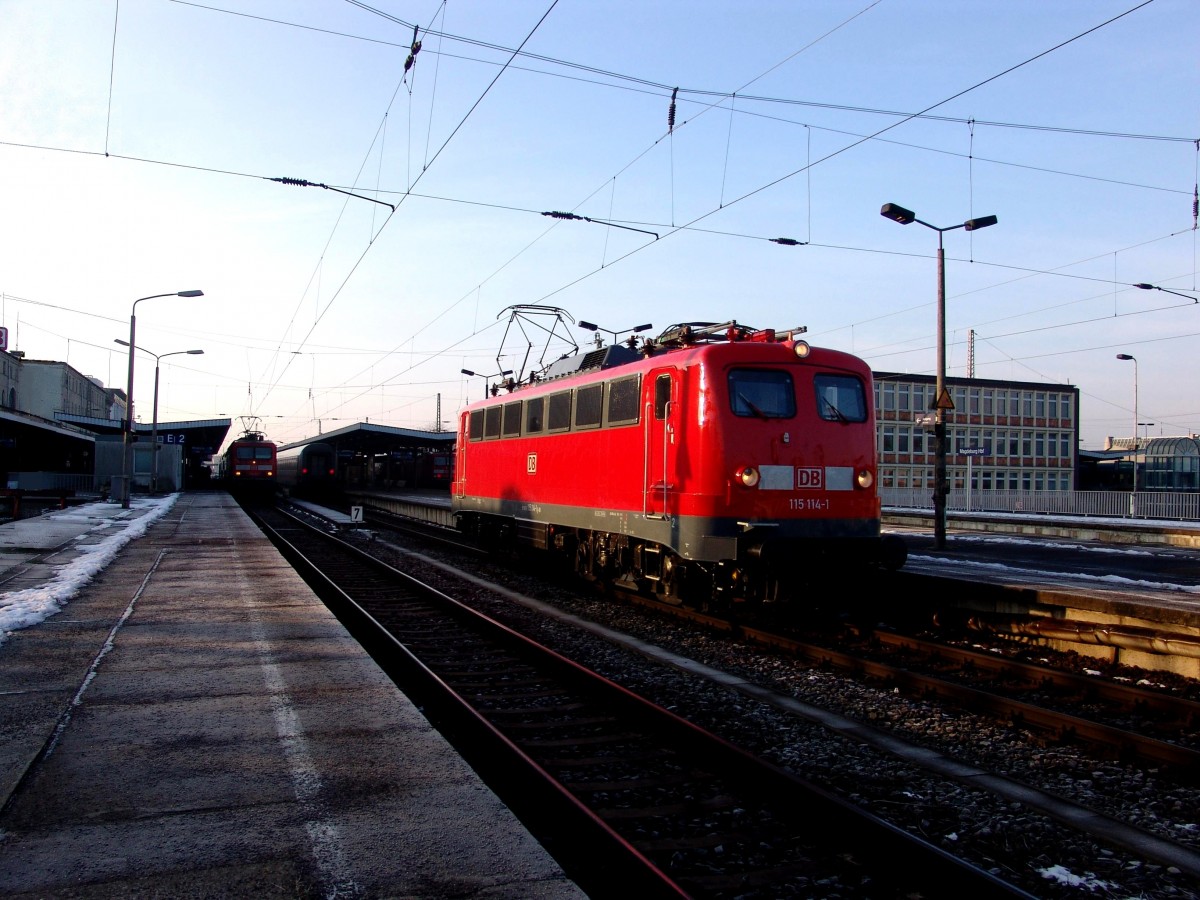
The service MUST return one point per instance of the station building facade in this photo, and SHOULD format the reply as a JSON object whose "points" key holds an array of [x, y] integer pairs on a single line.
{"points": [[1001, 435]]}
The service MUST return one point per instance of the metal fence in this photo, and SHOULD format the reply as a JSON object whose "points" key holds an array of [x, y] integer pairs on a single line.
{"points": [[1115, 504]]}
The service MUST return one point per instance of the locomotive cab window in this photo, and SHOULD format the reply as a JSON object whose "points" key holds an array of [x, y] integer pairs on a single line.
{"points": [[623, 396], [559, 416], [512, 419], [762, 393], [533, 415], [588, 405], [491, 422], [840, 398], [475, 427]]}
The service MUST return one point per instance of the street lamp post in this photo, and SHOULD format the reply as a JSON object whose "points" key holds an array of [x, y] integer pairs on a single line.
{"points": [[127, 455], [1127, 357], [486, 377], [154, 428], [941, 487]]}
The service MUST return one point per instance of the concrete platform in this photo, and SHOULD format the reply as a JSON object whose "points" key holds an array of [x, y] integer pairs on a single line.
{"points": [[195, 723]]}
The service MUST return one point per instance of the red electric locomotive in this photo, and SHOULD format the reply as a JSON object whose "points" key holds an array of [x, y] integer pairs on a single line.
{"points": [[712, 465], [248, 466]]}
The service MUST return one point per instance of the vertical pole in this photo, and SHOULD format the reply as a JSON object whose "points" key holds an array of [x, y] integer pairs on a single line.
{"points": [[1135, 425], [127, 456], [154, 436], [939, 428]]}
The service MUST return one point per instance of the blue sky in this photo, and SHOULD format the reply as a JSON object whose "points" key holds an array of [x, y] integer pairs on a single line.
{"points": [[138, 142]]}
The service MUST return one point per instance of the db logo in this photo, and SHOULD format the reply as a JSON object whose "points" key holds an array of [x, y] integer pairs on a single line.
{"points": [[531, 464], [811, 479]]}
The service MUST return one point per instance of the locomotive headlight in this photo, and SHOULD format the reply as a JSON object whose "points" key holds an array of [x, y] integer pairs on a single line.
{"points": [[748, 475], [865, 478], [801, 349]]}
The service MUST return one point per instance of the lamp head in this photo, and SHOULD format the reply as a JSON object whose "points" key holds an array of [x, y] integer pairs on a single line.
{"points": [[982, 222], [190, 294], [1124, 356], [898, 213]]}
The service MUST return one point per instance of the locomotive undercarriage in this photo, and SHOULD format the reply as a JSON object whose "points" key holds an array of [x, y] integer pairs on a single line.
{"points": [[715, 586], [765, 572]]}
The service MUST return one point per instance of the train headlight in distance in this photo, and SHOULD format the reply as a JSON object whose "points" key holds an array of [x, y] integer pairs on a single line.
{"points": [[865, 478], [748, 475], [801, 349]]}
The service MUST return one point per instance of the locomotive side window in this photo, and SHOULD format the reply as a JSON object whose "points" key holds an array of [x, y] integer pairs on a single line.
{"points": [[491, 422], [662, 396], [840, 398], [762, 393], [623, 400], [512, 419], [475, 429], [533, 415], [559, 418], [589, 402]]}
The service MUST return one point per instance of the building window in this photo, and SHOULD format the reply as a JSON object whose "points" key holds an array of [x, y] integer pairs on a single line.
{"points": [[889, 397]]}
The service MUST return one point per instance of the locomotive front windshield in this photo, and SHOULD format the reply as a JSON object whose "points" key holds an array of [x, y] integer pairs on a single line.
{"points": [[764, 393], [840, 398]]}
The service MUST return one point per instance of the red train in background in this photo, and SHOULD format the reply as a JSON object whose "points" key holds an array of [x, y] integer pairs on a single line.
{"points": [[249, 465], [714, 465]]}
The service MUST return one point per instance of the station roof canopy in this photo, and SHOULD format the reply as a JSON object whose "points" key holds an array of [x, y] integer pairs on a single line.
{"points": [[369, 438], [27, 442], [203, 437]]}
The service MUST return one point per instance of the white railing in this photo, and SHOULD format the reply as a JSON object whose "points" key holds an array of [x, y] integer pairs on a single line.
{"points": [[1116, 504], [53, 482]]}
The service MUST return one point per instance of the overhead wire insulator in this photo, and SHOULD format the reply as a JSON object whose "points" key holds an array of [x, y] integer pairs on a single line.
{"points": [[413, 50], [671, 112], [787, 242]]}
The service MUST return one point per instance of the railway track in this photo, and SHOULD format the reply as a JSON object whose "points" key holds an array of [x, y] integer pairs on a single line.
{"points": [[629, 797], [1115, 720]]}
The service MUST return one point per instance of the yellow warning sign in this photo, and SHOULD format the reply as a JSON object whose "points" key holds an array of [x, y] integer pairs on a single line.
{"points": [[944, 401]]}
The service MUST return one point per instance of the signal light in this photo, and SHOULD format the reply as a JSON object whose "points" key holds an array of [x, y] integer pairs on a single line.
{"points": [[865, 478], [801, 349], [748, 475]]}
